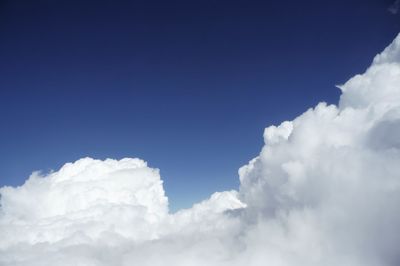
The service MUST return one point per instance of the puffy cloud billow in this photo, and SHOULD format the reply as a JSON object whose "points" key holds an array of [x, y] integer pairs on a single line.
{"points": [[325, 190]]}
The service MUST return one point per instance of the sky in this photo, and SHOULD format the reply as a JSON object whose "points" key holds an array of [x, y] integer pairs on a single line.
{"points": [[194, 134], [189, 86], [323, 190]]}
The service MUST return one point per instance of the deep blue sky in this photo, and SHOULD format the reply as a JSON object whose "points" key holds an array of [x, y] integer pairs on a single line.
{"points": [[186, 85]]}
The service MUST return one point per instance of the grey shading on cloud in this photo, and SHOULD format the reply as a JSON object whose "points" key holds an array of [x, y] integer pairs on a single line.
{"points": [[395, 7], [324, 190]]}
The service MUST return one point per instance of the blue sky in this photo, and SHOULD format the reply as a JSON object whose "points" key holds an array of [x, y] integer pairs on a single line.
{"points": [[188, 86]]}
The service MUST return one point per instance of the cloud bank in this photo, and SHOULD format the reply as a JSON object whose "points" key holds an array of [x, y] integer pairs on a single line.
{"points": [[324, 190]]}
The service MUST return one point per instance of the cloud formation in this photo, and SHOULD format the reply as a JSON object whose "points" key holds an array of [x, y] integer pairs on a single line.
{"points": [[325, 190]]}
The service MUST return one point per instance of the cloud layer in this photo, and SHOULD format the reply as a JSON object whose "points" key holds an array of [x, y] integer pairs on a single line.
{"points": [[325, 190]]}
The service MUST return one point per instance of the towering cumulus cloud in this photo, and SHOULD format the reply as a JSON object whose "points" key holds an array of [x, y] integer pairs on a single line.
{"points": [[325, 190]]}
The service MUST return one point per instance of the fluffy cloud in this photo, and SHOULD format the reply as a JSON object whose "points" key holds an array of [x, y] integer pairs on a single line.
{"points": [[325, 190], [327, 185], [88, 197], [94, 212]]}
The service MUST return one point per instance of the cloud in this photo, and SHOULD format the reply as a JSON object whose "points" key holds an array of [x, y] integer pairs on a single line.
{"points": [[324, 190], [394, 8], [89, 197]]}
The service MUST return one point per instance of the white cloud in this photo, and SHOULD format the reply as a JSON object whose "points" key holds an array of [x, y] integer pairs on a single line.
{"points": [[324, 190], [89, 197]]}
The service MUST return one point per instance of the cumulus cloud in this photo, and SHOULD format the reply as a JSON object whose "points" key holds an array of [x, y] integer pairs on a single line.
{"points": [[324, 190]]}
